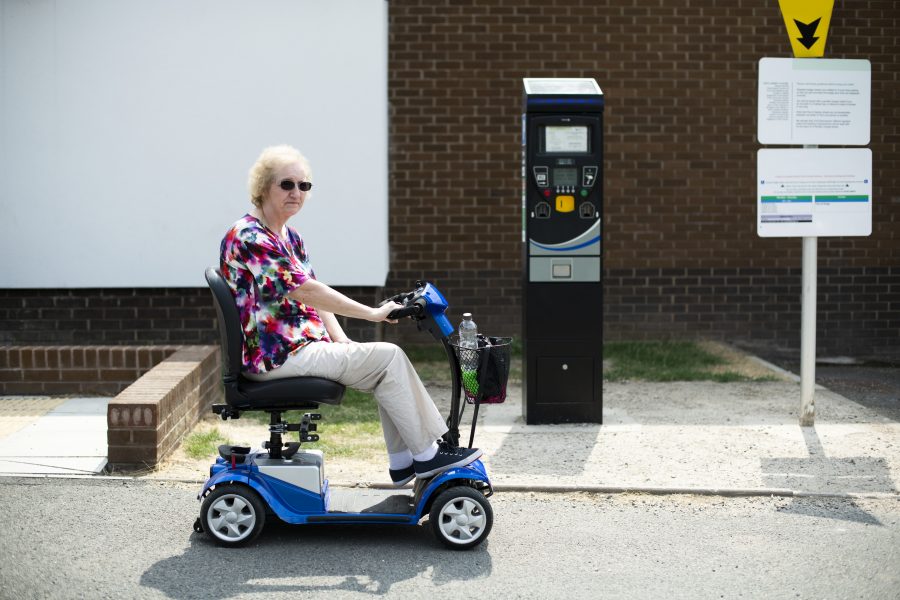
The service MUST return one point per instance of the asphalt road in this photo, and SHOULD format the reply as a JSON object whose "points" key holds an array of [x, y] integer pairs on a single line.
{"points": [[64, 538]]}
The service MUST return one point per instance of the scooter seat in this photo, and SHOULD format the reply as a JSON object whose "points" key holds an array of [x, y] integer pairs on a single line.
{"points": [[288, 393]]}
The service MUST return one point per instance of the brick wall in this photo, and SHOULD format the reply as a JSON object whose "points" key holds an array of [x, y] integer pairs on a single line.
{"points": [[54, 370], [160, 391], [680, 121], [107, 316], [124, 316], [725, 302], [149, 418], [681, 254]]}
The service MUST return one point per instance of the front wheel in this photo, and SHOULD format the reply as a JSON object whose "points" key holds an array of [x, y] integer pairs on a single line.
{"points": [[461, 518], [233, 514]]}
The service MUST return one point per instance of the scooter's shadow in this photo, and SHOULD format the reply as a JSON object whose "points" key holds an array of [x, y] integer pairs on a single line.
{"points": [[284, 558]]}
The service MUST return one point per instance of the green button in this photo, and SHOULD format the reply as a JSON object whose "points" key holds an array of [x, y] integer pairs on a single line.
{"points": [[584, 193]]}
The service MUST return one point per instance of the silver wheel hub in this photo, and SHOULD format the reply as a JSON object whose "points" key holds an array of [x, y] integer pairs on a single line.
{"points": [[462, 520], [231, 518]]}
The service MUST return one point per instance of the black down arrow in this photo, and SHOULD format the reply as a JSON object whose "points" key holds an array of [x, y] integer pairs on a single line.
{"points": [[808, 32]]}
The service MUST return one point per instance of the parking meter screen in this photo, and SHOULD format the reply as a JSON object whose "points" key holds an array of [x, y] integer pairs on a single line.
{"points": [[565, 177], [566, 138]]}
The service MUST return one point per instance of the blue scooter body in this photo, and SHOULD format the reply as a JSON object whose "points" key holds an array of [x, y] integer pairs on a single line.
{"points": [[296, 491], [295, 505]]}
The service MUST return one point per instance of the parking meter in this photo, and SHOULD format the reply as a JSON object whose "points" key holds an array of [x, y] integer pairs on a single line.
{"points": [[562, 203]]}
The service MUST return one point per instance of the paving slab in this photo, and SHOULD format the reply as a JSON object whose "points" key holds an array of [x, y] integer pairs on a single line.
{"points": [[67, 439], [18, 411]]}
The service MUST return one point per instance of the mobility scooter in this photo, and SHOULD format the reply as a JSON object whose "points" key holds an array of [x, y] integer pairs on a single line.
{"points": [[246, 486]]}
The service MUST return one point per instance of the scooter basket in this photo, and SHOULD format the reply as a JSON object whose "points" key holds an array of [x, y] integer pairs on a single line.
{"points": [[485, 371]]}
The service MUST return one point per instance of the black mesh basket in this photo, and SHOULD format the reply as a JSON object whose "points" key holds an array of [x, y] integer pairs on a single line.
{"points": [[484, 371]]}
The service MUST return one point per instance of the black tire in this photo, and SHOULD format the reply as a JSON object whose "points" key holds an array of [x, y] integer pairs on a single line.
{"points": [[461, 517], [233, 515]]}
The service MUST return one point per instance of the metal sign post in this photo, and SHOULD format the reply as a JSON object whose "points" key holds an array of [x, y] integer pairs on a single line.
{"points": [[808, 332], [810, 193]]}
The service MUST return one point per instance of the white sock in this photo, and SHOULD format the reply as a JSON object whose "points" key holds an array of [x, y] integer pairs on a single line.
{"points": [[400, 460], [427, 454]]}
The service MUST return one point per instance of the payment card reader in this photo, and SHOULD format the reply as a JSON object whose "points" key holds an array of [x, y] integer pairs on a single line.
{"points": [[562, 203]]}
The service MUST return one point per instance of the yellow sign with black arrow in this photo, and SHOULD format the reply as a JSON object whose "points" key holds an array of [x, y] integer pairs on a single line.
{"points": [[807, 24]]}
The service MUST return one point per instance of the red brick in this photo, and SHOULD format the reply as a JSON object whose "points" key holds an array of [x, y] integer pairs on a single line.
{"points": [[84, 375], [14, 358], [10, 375], [25, 388], [133, 455], [119, 437], [122, 375], [42, 374]]}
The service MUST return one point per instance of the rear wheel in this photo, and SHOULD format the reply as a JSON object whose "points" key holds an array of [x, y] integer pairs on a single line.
{"points": [[233, 515], [461, 517]]}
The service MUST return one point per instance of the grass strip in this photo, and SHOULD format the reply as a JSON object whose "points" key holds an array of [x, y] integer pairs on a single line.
{"points": [[203, 444], [665, 361]]}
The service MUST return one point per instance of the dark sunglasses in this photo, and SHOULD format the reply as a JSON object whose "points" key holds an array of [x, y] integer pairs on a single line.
{"points": [[288, 185]]}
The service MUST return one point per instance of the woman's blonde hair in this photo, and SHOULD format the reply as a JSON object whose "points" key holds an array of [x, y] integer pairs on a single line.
{"points": [[262, 173]]}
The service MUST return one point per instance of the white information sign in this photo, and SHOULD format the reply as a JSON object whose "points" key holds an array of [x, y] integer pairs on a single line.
{"points": [[814, 101], [814, 192]]}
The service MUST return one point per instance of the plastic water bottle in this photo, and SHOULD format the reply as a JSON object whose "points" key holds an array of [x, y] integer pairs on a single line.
{"points": [[468, 332], [468, 354]]}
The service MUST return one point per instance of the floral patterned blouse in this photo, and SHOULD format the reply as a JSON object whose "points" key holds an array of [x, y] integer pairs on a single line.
{"points": [[260, 270]]}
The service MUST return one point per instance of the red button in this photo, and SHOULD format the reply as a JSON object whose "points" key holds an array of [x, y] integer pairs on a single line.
{"points": [[546, 193]]}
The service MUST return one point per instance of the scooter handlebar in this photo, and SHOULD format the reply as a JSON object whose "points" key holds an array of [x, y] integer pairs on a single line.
{"points": [[413, 310], [398, 298], [413, 305]]}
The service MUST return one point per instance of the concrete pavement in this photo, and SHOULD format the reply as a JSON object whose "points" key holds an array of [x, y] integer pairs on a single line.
{"points": [[698, 437], [734, 438], [52, 436]]}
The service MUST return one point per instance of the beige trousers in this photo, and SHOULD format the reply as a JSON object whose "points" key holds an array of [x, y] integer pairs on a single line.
{"points": [[409, 418]]}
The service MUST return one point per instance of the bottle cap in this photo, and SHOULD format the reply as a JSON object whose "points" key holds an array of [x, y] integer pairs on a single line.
{"points": [[467, 315]]}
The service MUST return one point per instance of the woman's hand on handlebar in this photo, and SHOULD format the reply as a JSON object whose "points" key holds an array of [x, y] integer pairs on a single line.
{"points": [[381, 313]]}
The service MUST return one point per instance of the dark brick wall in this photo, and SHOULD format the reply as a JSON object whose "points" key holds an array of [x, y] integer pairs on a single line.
{"points": [[681, 254], [80, 369], [858, 308], [107, 316], [125, 316]]}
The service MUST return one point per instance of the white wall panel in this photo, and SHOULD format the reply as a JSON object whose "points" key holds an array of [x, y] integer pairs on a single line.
{"points": [[127, 130]]}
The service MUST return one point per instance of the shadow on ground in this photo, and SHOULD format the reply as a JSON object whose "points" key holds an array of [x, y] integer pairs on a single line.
{"points": [[305, 559]]}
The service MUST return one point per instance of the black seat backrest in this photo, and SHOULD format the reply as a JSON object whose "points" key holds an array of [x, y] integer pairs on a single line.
{"points": [[232, 338], [287, 393]]}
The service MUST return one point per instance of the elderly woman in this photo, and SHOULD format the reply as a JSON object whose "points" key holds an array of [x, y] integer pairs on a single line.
{"points": [[290, 328]]}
